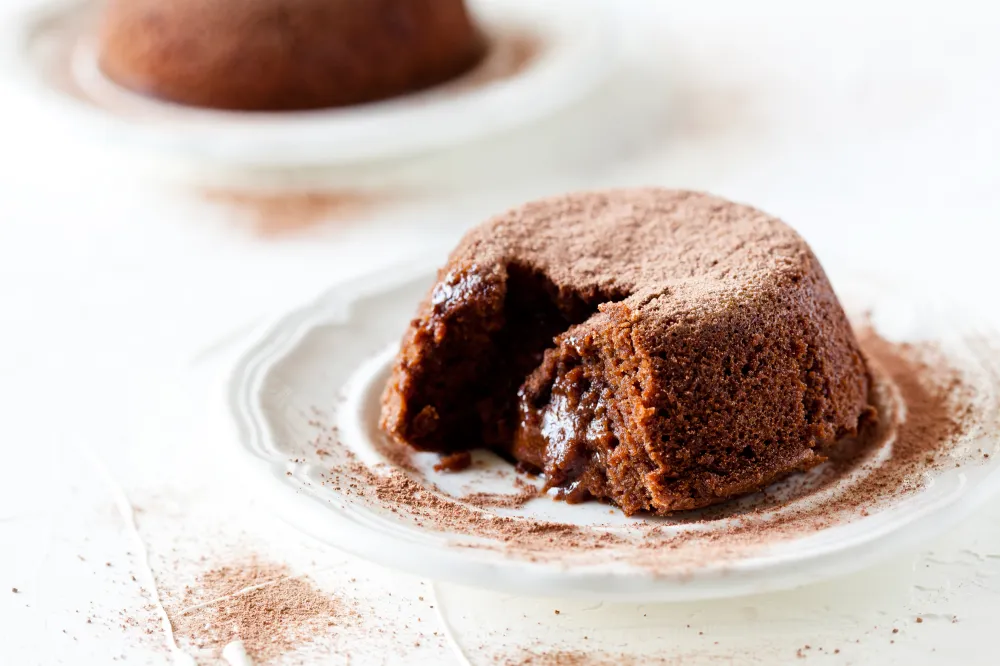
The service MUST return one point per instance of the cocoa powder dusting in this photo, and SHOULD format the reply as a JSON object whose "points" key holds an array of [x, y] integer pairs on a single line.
{"points": [[525, 493], [576, 658], [258, 603], [931, 408], [580, 658], [938, 407], [280, 213]]}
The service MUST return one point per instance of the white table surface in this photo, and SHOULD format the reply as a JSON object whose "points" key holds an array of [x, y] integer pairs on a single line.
{"points": [[873, 130]]}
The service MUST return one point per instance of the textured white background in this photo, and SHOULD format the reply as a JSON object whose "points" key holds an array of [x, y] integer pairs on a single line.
{"points": [[871, 127]]}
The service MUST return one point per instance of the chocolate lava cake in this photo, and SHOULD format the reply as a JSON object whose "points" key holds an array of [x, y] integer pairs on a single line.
{"points": [[661, 350], [282, 55]]}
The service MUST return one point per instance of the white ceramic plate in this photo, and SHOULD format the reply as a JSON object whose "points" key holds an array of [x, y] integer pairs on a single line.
{"points": [[51, 52], [326, 363]]}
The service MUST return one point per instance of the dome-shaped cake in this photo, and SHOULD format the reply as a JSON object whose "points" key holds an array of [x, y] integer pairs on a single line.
{"points": [[662, 350], [282, 55]]}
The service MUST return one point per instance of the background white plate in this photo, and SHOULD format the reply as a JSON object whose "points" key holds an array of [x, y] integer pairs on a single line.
{"points": [[51, 53], [336, 349]]}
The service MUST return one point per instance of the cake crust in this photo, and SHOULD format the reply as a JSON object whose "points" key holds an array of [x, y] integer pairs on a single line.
{"points": [[660, 349]]}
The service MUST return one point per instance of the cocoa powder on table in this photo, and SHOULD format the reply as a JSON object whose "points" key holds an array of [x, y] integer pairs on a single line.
{"points": [[260, 604], [278, 213]]}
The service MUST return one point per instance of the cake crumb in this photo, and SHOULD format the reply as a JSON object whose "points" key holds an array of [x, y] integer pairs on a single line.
{"points": [[454, 462]]}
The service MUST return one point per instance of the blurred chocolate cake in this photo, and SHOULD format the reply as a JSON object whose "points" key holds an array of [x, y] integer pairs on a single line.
{"points": [[284, 55]]}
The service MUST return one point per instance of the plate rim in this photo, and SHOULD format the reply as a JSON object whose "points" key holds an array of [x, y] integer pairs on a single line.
{"points": [[297, 139]]}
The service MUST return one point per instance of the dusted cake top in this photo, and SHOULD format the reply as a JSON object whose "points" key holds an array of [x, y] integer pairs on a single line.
{"points": [[673, 249]]}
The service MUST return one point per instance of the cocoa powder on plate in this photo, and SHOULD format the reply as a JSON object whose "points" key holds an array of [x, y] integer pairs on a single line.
{"points": [[931, 408]]}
